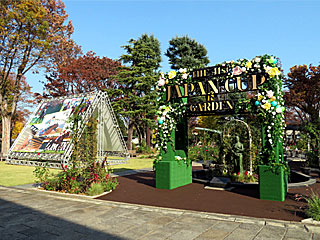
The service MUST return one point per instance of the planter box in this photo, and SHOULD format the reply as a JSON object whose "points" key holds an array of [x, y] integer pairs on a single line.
{"points": [[273, 185], [172, 174]]}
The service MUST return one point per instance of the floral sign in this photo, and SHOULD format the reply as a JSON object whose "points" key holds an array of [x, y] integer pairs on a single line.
{"points": [[261, 76]]}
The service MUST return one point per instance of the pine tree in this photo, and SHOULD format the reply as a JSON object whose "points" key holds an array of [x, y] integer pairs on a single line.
{"points": [[136, 93], [185, 52]]}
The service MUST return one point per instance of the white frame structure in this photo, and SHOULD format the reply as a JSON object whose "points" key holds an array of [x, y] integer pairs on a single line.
{"points": [[110, 142]]}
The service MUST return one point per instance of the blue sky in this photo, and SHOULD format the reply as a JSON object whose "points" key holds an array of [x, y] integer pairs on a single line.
{"points": [[228, 29]]}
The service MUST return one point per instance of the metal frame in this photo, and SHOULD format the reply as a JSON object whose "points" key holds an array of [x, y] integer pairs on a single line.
{"points": [[106, 119]]}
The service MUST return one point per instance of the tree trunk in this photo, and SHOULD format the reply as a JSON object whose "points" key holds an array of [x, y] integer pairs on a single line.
{"points": [[130, 132], [148, 137], [6, 126]]}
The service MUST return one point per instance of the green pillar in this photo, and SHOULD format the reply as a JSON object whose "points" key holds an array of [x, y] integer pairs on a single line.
{"points": [[171, 173], [273, 182]]}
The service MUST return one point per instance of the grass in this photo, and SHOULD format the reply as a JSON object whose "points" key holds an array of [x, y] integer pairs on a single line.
{"points": [[134, 163], [13, 175], [313, 210]]}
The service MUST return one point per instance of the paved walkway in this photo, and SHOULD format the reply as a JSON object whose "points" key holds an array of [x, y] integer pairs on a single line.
{"points": [[35, 214]]}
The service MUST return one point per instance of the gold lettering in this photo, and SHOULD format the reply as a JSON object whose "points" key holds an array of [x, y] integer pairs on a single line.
{"points": [[239, 84], [178, 91], [203, 92], [186, 90], [214, 106], [254, 82], [226, 85], [200, 107], [229, 104], [263, 79], [208, 106], [205, 73], [168, 93], [220, 105], [215, 89], [210, 96]]}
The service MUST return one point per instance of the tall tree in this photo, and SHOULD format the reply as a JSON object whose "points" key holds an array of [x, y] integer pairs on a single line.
{"points": [[24, 102], [185, 52], [303, 99], [137, 96], [86, 73], [303, 95], [31, 32]]}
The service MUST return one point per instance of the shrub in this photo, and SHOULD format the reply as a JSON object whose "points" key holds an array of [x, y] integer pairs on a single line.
{"points": [[84, 170], [95, 189], [313, 210], [204, 153], [41, 173]]}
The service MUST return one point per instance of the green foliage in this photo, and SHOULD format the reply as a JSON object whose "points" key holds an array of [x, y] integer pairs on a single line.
{"points": [[41, 173], [313, 130], [31, 34], [136, 96], [84, 170], [185, 52], [312, 157], [268, 105], [313, 210], [95, 189], [204, 153], [246, 177]]}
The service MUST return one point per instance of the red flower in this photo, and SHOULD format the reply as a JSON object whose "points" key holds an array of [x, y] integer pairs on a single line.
{"points": [[38, 153], [73, 178], [238, 173], [107, 175], [65, 166], [245, 173], [206, 150]]}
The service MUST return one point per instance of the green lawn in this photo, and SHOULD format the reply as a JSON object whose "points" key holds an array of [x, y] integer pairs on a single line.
{"points": [[13, 175], [134, 163]]}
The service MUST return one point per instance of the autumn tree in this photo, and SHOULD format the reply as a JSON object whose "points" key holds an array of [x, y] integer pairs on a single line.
{"points": [[303, 99], [24, 102], [137, 96], [85, 73], [31, 32], [185, 52]]}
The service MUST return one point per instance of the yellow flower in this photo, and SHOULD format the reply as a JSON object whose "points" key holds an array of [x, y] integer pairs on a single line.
{"points": [[248, 64], [172, 74], [273, 98], [274, 72], [260, 97], [167, 109], [162, 74], [267, 106]]}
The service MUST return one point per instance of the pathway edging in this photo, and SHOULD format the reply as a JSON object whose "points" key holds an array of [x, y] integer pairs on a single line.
{"points": [[206, 215]]}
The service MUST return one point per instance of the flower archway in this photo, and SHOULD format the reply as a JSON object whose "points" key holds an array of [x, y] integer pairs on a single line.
{"points": [[260, 76]]}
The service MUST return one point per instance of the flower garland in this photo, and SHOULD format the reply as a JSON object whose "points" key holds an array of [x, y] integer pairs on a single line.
{"points": [[268, 103], [168, 113]]}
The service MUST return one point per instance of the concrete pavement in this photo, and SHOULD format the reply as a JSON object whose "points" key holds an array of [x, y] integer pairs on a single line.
{"points": [[35, 214]]}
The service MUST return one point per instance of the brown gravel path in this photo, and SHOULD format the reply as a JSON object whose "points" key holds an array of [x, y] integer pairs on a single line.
{"points": [[140, 189]]}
